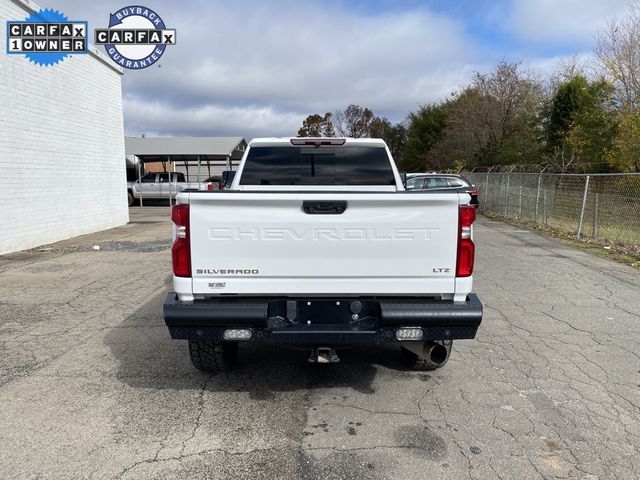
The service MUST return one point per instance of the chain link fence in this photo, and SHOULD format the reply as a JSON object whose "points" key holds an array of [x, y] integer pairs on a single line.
{"points": [[602, 207]]}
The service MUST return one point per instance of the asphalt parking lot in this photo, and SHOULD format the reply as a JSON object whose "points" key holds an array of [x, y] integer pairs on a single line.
{"points": [[91, 385]]}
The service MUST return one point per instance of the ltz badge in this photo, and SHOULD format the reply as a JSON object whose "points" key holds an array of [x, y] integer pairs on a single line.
{"points": [[136, 38]]}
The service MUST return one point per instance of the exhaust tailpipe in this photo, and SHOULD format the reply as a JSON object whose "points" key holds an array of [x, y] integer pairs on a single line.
{"points": [[427, 355], [436, 353]]}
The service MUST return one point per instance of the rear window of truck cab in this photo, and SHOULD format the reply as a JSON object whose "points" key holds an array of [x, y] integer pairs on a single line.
{"points": [[344, 165]]}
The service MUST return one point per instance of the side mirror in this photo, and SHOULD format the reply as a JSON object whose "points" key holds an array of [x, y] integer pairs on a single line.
{"points": [[403, 177], [227, 178]]}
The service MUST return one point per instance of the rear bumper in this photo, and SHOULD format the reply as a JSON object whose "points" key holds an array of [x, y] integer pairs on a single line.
{"points": [[322, 320]]}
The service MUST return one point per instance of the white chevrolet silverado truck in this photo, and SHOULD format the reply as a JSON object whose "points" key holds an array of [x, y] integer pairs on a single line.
{"points": [[159, 186], [317, 243]]}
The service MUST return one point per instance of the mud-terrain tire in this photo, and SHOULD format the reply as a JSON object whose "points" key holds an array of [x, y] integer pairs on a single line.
{"points": [[213, 357], [435, 355]]}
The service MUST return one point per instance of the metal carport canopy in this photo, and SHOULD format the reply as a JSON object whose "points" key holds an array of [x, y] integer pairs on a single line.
{"points": [[187, 151], [185, 146]]}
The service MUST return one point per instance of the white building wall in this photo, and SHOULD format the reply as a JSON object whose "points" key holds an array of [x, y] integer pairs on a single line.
{"points": [[61, 146]]}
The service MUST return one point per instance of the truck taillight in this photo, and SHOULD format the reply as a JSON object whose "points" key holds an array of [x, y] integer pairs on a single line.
{"points": [[180, 250], [466, 248]]}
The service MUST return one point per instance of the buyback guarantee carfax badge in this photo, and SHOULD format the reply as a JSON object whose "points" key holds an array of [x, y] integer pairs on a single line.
{"points": [[46, 37], [136, 38]]}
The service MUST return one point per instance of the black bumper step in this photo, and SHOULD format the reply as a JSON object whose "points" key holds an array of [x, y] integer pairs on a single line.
{"points": [[322, 320]]}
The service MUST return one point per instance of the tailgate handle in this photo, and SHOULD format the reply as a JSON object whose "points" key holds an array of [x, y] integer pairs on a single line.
{"points": [[324, 208]]}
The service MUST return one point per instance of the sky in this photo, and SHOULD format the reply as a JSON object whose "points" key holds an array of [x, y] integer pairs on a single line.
{"points": [[258, 68]]}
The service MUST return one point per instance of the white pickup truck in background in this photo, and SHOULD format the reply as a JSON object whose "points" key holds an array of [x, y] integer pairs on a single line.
{"points": [[317, 242], [159, 186]]}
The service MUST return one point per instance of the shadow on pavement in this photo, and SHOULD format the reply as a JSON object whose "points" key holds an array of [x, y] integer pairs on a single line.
{"points": [[149, 358]]}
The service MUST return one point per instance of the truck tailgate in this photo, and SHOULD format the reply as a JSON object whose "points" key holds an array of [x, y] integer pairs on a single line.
{"points": [[266, 244]]}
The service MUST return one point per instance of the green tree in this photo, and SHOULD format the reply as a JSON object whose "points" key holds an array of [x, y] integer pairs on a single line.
{"points": [[582, 125], [624, 155], [395, 137], [426, 128], [570, 97]]}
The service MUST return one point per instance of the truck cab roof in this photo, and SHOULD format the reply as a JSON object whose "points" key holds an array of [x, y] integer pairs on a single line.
{"points": [[317, 164]]}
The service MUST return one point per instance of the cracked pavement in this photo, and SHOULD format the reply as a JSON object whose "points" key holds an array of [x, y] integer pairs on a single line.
{"points": [[91, 385]]}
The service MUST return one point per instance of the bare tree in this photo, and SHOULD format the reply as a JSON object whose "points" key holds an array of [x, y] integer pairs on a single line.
{"points": [[316, 125], [355, 121], [560, 159], [618, 49], [566, 69], [496, 119]]}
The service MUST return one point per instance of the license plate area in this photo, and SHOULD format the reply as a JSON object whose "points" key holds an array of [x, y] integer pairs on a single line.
{"points": [[352, 314]]}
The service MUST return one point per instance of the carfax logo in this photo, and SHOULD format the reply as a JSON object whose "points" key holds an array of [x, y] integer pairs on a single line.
{"points": [[46, 37], [136, 38]]}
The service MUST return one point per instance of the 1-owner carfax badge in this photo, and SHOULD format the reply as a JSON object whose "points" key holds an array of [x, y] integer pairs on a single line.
{"points": [[136, 38], [46, 37]]}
